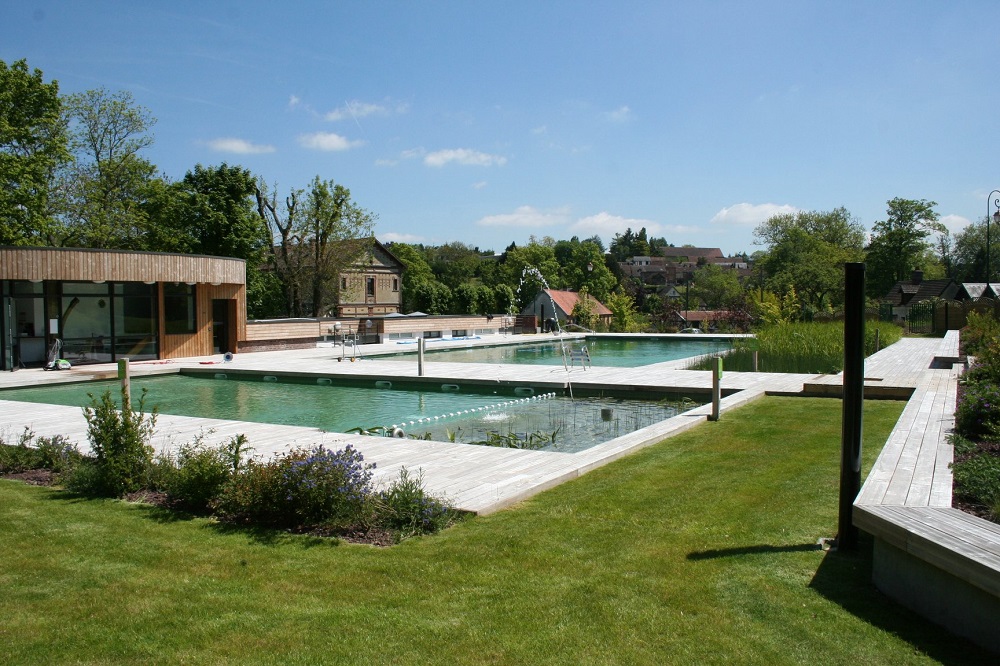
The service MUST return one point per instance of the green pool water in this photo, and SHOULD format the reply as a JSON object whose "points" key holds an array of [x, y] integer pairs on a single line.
{"points": [[612, 352], [444, 411]]}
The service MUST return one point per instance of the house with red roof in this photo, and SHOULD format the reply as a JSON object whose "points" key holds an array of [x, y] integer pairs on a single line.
{"points": [[559, 304]]}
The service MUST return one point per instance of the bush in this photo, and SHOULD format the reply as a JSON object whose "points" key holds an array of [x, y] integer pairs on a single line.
{"points": [[406, 508], [978, 479], [19, 457], [58, 454], [981, 330], [120, 442], [978, 414], [305, 488], [197, 473]]}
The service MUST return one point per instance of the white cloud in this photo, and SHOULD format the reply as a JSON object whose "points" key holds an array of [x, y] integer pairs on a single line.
{"points": [[463, 156], [480, 185], [622, 114], [328, 141], [527, 216], [357, 109], [607, 225], [239, 146], [294, 101], [750, 215], [954, 223], [393, 237]]}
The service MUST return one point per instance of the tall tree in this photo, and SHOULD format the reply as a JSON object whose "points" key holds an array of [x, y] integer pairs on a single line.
{"points": [[109, 180], [33, 145], [806, 252], [212, 211], [320, 233], [899, 243]]}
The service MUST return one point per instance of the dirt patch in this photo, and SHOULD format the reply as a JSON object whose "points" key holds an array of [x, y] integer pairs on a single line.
{"points": [[34, 477]]}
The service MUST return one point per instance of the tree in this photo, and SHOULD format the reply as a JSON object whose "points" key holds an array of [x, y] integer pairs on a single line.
{"points": [[518, 267], [806, 251], [969, 252], [105, 186], [320, 232], [623, 313], [212, 211], [33, 145], [583, 311], [716, 286], [416, 271], [898, 243]]}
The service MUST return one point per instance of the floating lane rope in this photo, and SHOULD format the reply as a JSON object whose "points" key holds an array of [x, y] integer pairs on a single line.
{"points": [[395, 430]]}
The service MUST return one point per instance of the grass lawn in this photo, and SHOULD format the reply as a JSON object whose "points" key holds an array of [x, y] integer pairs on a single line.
{"points": [[698, 550]]}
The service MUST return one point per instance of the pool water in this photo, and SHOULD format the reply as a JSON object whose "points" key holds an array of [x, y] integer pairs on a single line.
{"points": [[447, 412], [612, 352]]}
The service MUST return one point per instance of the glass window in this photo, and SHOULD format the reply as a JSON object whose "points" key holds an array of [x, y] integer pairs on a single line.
{"points": [[178, 308], [395, 284], [370, 286]]}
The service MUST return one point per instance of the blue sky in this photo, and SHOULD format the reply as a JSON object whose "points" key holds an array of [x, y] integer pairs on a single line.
{"points": [[487, 123]]}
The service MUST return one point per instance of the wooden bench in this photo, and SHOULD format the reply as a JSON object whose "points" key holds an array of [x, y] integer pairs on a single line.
{"points": [[935, 559]]}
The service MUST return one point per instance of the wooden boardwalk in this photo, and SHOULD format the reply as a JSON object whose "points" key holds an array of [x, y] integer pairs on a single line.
{"points": [[480, 479]]}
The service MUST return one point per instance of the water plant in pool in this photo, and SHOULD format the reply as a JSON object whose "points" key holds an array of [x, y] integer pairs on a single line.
{"points": [[801, 347]]}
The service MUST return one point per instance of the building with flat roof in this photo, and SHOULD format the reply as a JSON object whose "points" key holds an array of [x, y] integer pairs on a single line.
{"points": [[103, 305]]}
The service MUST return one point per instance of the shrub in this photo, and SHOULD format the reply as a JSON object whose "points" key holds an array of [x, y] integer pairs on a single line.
{"points": [[978, 413], [58, 454], [305, 488], [980, 331], [198, 473], [120, 442], [978, 479], [406, 508], [19, 457]]}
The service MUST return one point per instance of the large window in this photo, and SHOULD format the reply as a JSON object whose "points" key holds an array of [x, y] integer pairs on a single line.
{"points": [[370, 286], [178, 308]]}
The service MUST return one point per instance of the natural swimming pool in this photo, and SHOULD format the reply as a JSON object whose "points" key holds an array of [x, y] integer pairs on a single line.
{"points": [[604, 351], [445, 411]]}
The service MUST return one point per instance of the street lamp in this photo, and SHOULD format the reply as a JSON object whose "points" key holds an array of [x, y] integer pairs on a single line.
{"points": [[996, 220]]}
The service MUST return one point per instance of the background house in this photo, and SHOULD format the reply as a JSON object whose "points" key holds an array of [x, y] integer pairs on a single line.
{"points": [[372, 285], [556, 303]]}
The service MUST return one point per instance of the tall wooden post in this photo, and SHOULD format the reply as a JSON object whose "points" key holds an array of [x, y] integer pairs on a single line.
{"points": [[853, 402], [716, 388], [123, 375], [420, 356]]}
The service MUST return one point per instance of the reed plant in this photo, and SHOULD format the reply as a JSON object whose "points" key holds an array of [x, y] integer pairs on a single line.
{"points": [[801, 347]]}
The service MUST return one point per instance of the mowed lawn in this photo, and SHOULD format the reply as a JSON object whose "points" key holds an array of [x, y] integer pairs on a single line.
{"points": [[701, 549]]}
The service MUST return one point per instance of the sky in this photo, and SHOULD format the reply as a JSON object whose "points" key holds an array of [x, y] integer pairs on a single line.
{"points": [[487, 123]]}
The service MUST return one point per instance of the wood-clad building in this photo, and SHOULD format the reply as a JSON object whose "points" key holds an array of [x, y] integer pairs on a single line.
{"points": [[103, 305]]}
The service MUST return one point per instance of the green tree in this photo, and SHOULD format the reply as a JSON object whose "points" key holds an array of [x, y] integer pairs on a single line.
{"points": [[33, 144], [583, 312], [212, 211], [107, 184], [806, 251], [416, 272], [899, 243], [517, 270], [319, 233], [969, 252], [624, 317], [715, 286]]}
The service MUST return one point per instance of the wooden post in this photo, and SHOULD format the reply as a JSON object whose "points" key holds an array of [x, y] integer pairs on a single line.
{"points": [[123, 375], [420, 356], [716, 388], [854, 394]]}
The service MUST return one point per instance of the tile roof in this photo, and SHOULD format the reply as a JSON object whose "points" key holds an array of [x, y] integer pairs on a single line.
{"points": [[566, 300]]}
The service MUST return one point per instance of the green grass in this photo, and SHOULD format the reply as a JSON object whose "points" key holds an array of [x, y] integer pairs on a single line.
{"points": [[698, 550]]}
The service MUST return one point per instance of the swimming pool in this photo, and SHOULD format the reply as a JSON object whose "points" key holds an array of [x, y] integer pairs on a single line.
{"points": [[445, 411], [613, 352]]}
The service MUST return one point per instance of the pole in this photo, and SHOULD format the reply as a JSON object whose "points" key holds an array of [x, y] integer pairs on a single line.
{"points": [[420, 356], [123, 375], [853, 402], [996, 204], [716, 388]]}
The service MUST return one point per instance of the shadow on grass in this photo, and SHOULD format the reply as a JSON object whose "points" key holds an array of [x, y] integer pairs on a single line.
{"points": [[750, 550], [845, 578]]}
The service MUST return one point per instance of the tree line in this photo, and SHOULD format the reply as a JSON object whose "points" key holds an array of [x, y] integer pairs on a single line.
{"points": [[74, 174]]}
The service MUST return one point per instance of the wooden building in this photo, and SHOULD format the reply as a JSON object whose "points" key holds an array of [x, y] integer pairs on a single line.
{"points": [[103, 305]]}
